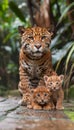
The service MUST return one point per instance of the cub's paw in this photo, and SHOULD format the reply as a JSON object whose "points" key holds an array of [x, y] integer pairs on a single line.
{"points": [[47, 108], [53, 107], [37, 107], [29, 106], [59, 107]]}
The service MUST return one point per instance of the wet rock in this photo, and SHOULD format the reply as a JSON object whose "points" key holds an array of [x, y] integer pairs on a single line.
{"points": [[14, 117]]}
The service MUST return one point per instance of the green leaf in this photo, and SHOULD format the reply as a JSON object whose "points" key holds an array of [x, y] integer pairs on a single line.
{"points": [[60, 53], [5, 5], [65, 12], [70, 114], [54, 42], [16, 10], [58, 64], [69, 56], [9, 35]]}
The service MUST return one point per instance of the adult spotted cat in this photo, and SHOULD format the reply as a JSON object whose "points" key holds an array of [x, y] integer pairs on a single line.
{"points": [[35, 57]]}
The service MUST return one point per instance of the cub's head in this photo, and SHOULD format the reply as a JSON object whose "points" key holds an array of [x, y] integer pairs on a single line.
{"points": [[53, 82], [35, 41], [41, 95]]}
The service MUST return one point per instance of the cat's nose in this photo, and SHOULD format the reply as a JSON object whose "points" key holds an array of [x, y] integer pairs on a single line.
{"points": [[42, 100], [37, 46]]}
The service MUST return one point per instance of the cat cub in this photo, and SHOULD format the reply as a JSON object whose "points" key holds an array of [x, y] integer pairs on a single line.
{"points": [[54, 84], [41, 99]]}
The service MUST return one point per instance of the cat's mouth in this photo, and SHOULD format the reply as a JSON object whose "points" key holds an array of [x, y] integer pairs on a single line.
{"points": [[42, 103], [55, 89], [37, 53]]}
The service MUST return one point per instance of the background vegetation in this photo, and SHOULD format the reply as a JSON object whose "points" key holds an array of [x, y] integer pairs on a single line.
{"points": [[29, 13]]}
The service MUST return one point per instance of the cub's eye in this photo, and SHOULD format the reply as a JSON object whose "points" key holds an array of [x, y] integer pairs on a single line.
{"points": [[57, 83], [50, 83], [31, 37], [45, 94], [38, 95], [43, 37]]}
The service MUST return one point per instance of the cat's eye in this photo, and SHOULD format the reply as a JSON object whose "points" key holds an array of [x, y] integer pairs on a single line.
{"points": [[38, 95], [43, 37], [26, 45], [31, 37], [45, 94], [50, 83], [57, 83]]}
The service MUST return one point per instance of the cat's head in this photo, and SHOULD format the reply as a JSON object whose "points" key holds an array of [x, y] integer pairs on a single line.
{"points": [[41, 95], [53, 82]]}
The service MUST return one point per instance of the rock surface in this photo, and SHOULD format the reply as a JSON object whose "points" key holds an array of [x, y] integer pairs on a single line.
{"points": [[15, 117]]}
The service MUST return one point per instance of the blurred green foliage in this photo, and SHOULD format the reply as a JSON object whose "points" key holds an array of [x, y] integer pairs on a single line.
{"points": [[9, 44], [70, 114], [12, 15]]}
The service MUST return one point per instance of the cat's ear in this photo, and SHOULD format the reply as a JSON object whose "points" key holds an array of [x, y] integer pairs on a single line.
{"points": [[51, 34], [61, 77], [45, 78], [51, 29], [21, 29], [32, 91]]}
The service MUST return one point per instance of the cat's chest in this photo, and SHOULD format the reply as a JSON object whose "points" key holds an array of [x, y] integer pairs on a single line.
{"points": [[55, 95], [33, 70]]}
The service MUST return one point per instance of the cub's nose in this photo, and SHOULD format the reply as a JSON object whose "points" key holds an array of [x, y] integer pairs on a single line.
{"points": [[54, 88], [42, 101], [37, 46]]}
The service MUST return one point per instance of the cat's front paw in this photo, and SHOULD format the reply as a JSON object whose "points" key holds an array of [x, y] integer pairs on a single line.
{"points": [[47, 108], [37, 107], [53, 107], [29, 106], [59, 107], [22, 103]]}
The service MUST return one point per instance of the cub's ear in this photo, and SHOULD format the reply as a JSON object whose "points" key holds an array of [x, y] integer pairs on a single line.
{"points": [[61, 77], [21, 29], [33, 90], [45, 78]]}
